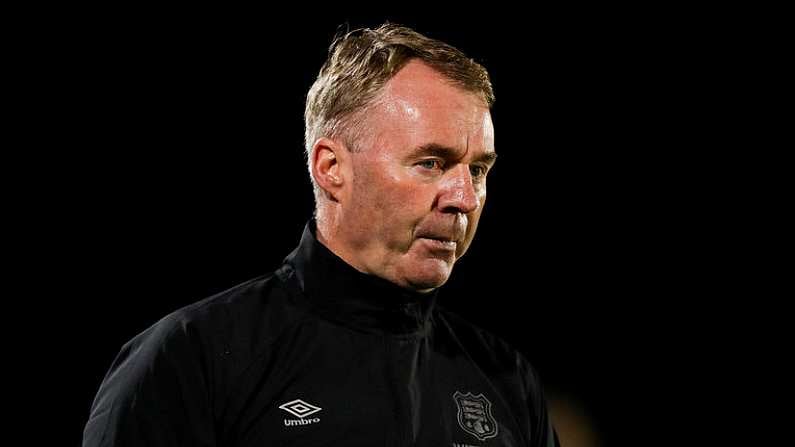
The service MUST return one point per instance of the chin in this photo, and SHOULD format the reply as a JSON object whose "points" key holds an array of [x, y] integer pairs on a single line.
{"points": [[430, 277]]}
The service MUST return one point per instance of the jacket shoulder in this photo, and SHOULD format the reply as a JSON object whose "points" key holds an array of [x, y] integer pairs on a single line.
{"points": [[186, 363], [233, 323]]}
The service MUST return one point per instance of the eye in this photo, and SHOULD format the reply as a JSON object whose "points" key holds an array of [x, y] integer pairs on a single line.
{"points": [[477, 171], [430, 164]]}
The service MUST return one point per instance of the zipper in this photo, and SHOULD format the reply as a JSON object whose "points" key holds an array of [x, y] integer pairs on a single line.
{"points": [[401, 432]]}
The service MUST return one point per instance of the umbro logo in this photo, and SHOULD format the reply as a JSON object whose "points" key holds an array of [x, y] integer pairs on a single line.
{"points": [[300, 409]]}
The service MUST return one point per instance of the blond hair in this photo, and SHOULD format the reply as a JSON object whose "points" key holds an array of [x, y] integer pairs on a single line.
{"points": [[360, 63]]}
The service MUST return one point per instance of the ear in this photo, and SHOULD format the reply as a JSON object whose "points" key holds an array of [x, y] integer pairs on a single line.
{"points": [[329, 159]]}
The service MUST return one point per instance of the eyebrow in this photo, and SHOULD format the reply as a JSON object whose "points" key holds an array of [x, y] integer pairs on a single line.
{"points": [[448, 153]]}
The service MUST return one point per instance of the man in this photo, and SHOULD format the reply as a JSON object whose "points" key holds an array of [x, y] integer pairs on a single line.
{"points": [[343, 344]]}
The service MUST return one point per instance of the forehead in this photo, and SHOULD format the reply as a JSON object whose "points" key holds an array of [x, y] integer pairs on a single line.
{"points": [[419, 106]]}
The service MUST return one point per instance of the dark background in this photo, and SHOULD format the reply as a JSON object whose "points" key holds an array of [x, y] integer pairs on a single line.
{"points": [[178, 172]]}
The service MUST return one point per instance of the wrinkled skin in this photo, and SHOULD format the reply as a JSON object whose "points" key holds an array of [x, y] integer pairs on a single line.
{"points": [[407, 203]]}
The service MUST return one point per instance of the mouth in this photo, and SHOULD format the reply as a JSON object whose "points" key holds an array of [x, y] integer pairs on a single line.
{"points": [[442, 237], [440, 243]]}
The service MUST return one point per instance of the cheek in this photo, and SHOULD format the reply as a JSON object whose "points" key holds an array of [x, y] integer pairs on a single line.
{"points": [[392, 194], [473, 219], [389, 203], [384, 201], [385, 205], [400, 209]]}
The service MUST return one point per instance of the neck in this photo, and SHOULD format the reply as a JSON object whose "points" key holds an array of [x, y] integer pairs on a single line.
{"points": [[334, 289], [329, 232], [327, 228]]}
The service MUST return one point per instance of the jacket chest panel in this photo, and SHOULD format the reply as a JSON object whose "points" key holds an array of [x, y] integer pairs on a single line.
{"points": [[375, 392]]}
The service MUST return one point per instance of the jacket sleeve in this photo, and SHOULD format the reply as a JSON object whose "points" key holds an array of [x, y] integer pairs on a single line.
{"points": [[542, 433], [155, 393]]}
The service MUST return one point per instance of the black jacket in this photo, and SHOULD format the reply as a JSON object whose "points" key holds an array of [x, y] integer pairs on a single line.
{"points": [[318, 354]]}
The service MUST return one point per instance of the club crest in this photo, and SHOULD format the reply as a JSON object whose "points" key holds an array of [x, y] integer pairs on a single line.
{"points": [[474, 415]]}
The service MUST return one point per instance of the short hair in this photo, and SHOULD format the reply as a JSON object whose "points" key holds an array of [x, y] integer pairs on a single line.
{"points": [[361, 62]]}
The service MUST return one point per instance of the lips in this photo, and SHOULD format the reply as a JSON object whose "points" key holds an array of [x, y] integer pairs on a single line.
{"points": [[439, 244], [439, 238], [443, 234], [440, 241]]}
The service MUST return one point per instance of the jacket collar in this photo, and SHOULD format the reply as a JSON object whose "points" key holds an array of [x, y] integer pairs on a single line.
{"points": [[338, 292]]}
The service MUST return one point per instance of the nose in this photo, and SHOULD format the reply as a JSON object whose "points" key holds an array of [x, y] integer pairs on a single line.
{"points": [[458, 194]]}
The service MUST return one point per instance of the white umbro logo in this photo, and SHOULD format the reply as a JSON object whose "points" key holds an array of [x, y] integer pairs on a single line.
{"points": [[300, 409]]}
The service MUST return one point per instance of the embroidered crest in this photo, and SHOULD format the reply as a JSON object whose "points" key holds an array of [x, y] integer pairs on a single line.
{"points": [[474, 415]]}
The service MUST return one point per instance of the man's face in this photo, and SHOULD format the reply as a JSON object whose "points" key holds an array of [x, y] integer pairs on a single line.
{"points": [[419, 181]]}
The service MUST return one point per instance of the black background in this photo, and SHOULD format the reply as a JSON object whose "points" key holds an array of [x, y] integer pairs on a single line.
{"points": [[176, 171]]}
